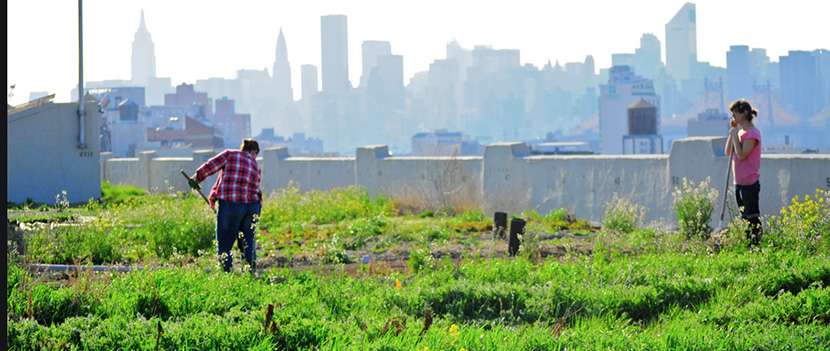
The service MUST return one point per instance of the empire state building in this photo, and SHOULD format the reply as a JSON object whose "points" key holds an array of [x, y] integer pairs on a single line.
{"points": [[143, 57]]}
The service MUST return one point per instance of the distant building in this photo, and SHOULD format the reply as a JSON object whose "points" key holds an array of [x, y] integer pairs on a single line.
{"points": [[308, 77], [712, 122], [623, 89], [643, 130], [739, 80], [681, 43], [197, 134], [168, 137], [186, 96], [125, 136], [128, 111], [437, 143], [234, 126], [202, 134], [282, 74], [298, 145], [143, 63], [335, 54], [802, 91], [372, 49], [561, 148]]}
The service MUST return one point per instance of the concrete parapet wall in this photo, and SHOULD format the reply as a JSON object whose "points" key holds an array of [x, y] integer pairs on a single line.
{"points": [[508, 178]]}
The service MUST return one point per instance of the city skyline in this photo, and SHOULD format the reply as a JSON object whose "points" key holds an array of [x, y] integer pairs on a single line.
{"points": [[186, 27]]}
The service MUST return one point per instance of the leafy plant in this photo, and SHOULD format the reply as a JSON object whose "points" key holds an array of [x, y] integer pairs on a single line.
{"points": [[421, 259], [693, 204], [115, 194], [803, 225], [622, 215]]}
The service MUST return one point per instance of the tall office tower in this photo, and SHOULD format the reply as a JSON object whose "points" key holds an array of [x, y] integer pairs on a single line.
{"points": [[464, 57], [588, 72], [282, 74], [335, 54], [308, 79], [801, 83], [681, 43], [758, 62], [386, 81], [372, 49], [738, 77], [823, 57], [143, 57], [647, 58], [623, 89]]}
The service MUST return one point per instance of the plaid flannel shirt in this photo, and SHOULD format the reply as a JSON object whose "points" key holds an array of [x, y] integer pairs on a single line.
{"points": [[239, 180]]}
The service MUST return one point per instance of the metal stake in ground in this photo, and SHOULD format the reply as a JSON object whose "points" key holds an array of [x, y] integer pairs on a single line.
{"points": [[517, 226], [199, 190]]}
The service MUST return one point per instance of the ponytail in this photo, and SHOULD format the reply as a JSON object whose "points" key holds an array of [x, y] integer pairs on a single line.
{"points": [[743, 106]]}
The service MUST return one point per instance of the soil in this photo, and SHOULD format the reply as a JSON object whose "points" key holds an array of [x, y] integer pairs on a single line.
{"points": [[486, 246], [479, 245]]}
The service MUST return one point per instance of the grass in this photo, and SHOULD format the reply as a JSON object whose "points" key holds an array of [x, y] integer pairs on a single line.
{"points": [[637, 289]]}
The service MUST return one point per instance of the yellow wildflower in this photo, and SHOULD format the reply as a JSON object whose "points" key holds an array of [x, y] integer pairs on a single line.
{"points": [[454, 331]]}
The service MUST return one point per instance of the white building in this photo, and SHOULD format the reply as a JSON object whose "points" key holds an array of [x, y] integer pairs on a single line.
{"points": [[623, 89]]}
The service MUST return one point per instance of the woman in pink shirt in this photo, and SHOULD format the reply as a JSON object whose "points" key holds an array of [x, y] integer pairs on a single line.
{"points": [[745, 140]]}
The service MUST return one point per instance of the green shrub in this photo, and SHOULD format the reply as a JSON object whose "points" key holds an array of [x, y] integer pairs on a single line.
{"points": [[693, 204], [622, 215], [288, 207], [803, 225], [420, 260], [114, 194]]}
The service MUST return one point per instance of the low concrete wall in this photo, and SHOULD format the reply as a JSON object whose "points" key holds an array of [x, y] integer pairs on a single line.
{"points": [[508, 178], [44, 158]]}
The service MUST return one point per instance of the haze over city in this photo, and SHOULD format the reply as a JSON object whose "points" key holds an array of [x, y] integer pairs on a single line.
{"points": [[204, 39]]}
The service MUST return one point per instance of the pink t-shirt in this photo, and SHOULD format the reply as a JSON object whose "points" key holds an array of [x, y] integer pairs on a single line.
{"points": [[747, 171]]}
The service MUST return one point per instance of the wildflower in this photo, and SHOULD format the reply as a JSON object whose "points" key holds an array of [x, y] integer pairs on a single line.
{"points": [[397, 284], [454, 331]]}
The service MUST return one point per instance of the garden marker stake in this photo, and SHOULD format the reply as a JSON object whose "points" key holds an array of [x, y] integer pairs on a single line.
{"points": [[200, 192]]}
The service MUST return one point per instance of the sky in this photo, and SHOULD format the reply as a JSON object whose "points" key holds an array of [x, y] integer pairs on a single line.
{"points": [[212, 38]]}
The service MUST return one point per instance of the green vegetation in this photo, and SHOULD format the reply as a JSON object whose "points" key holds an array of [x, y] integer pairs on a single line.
{"points": [[636, 289], [694, 205], [119, 193]]}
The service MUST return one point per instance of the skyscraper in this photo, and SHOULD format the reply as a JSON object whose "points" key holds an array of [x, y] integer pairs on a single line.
{"points": [[143, 56], [801, 85], [308, 79], [372, 49], [647, 58], [335, 54], [282, 74], [738, 77], [681, 43]]}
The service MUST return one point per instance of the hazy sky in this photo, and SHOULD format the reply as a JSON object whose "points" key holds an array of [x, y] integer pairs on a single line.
{"points": [[210, 38]]}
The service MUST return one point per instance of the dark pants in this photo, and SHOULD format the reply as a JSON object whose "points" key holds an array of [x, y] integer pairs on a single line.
{"points": [[235, 222], [747, 197]]}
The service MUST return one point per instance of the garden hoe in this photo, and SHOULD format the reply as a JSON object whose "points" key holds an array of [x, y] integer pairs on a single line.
{"points": [[199, 190]]}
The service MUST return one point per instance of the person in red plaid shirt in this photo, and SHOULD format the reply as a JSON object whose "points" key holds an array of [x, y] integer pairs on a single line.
{"points": [[240, 200]]}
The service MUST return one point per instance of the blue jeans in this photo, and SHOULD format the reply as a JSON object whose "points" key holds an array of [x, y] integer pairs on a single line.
{"points": [[235, 222]]}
